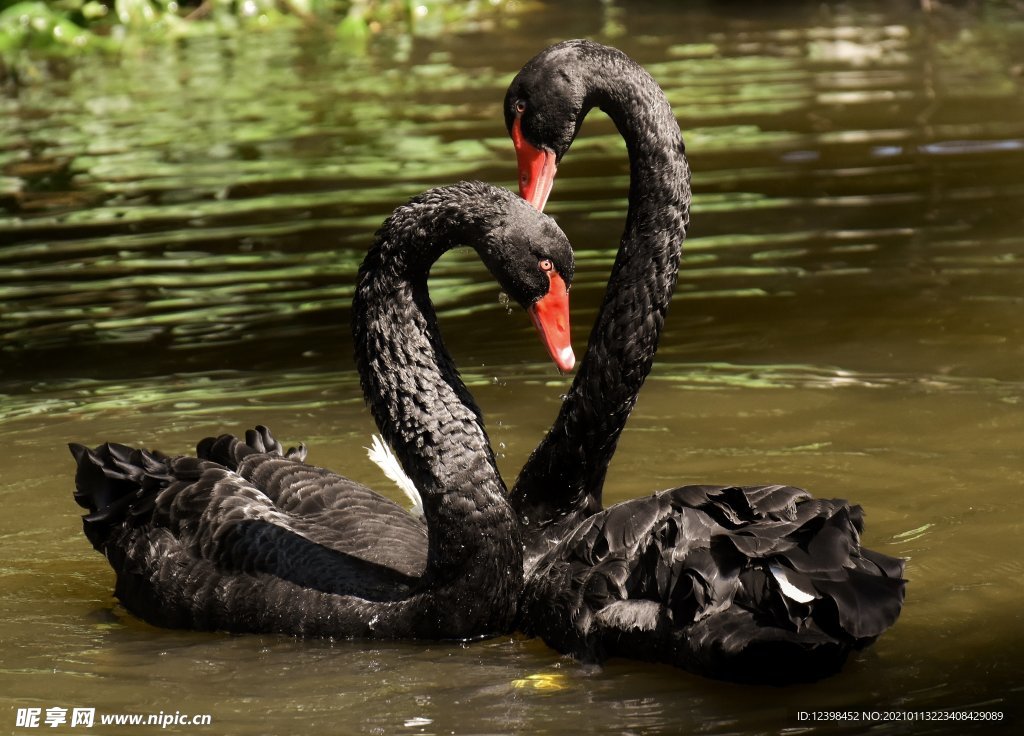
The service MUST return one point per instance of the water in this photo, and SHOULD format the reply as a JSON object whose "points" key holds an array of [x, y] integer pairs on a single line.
{"points": [[179, 230]]}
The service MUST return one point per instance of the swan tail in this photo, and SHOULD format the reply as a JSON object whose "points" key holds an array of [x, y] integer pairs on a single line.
{"points": [[117, 484], [229, 450]]}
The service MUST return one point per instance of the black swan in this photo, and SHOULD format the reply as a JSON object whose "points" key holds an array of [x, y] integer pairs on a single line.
{"points": [[761, 584], [241, 537]]}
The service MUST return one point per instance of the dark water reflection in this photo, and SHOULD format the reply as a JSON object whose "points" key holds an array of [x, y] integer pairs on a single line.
{"points": [[179, 231]]}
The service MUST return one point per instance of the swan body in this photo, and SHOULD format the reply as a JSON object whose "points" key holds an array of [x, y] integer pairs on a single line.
{"points": [[757, 584], [247, 537]]}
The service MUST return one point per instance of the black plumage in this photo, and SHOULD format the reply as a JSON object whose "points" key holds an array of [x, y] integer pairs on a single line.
{"points": [[349, 517], [246, 537], [761, 584], [561, 482]]}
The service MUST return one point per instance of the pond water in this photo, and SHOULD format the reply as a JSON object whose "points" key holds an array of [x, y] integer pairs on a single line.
{"points": [[180, 228]]}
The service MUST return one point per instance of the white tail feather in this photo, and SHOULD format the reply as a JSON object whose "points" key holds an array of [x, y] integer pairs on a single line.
{"points": [[385, 459]]}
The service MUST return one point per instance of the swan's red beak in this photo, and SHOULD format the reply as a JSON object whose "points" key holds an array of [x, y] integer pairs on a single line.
{"points": [[550, 315], [536, 169]]}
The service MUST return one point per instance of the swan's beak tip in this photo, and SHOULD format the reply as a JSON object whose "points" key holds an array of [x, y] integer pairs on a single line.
{"points": [[566, 359]]}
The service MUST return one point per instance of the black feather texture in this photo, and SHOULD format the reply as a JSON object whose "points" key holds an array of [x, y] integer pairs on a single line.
{"points": [[758, 584], [762, 584], [247, 537], [562, 481]]}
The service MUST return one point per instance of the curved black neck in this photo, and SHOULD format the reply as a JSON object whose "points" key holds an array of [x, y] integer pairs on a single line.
{"points": [[562, 481], [420, 404]]}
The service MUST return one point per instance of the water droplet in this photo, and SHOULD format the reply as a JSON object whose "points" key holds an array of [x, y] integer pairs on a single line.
{"points": [[505, 301]]}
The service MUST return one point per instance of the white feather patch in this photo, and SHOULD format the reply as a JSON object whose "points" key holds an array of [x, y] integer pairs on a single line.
{"points": [[643, 615], [788, 588], [385, 459]]}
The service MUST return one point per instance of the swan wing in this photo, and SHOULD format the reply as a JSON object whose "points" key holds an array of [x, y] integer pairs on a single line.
{"points": [[345, 515], [760, 582], [163, 521]]}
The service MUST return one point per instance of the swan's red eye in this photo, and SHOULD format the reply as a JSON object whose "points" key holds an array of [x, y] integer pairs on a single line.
{"points": [[546, 265], [520, 107]]}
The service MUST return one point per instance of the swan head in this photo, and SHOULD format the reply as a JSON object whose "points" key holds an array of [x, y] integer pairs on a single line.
{"points": [[544, 108], [531, 258]]}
